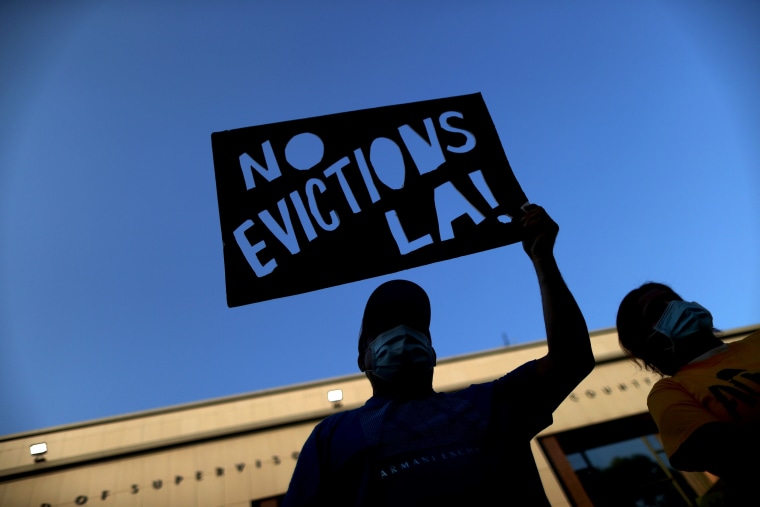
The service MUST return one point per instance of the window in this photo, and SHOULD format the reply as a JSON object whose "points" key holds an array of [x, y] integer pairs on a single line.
{"points": [[622, 464], [274, 501]]}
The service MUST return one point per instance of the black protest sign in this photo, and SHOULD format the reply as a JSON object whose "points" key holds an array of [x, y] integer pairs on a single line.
{"points": [[318, 202]]}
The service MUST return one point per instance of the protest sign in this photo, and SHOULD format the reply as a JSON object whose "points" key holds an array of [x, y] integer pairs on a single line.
{"points": [[318, 202]]}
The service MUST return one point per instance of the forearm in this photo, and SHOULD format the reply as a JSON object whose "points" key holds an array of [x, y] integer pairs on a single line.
{"points": [[566, 331], [569, 358]]}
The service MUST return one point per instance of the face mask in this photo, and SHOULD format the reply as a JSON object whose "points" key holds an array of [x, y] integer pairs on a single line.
{"points": [[682, 319], [398, 350]]}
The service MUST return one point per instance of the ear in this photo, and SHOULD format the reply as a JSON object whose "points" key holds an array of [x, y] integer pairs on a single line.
{"points": [[364, 360]]}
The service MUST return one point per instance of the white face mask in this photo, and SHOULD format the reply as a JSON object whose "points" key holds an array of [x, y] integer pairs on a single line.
{"points": [[682, 319], [400, 349]]}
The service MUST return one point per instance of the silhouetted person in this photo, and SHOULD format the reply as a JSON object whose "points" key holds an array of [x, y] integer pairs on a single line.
{"points": [[411, 446], [707, 406]]}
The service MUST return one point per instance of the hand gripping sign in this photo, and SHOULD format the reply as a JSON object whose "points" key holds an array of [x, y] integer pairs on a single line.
{"points": [[318, 202]]}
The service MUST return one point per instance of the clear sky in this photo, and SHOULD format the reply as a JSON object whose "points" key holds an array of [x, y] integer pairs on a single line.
{"points": [[635, 124]]}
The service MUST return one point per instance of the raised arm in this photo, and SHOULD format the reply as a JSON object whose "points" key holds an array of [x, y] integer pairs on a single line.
{"points": [[569, 359]]}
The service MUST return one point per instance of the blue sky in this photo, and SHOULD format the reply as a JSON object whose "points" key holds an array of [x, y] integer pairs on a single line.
{"points": [[636, 125]]}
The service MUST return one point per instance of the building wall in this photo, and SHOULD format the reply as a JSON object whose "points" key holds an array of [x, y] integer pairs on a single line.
{"points": [[232, 451]]}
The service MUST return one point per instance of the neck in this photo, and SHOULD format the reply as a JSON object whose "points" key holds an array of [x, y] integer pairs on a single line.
{"points": [[406, 389], [696, 346]]}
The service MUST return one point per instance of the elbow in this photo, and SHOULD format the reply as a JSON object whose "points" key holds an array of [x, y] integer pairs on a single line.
{"points": [[587, 359], [583, 369], [584, 365], [589, 363], [576, 367]]}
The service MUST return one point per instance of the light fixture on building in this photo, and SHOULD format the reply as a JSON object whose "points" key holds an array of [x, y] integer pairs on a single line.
{"points": [[335, 397], [38, 451]]}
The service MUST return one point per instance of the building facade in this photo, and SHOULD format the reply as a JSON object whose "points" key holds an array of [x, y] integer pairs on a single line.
{"points": [[240, 451]]}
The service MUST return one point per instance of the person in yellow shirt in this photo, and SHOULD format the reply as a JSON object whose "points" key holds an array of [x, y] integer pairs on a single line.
{"points": [[707, 405]]}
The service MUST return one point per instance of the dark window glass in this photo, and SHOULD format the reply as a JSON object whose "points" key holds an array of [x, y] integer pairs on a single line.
{"points": [[630, 473]]}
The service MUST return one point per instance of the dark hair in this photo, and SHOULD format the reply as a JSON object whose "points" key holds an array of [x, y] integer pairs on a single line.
{"points": [[634, 328]]}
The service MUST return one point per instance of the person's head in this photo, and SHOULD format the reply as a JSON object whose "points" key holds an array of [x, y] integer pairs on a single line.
{"points": [[394, 341], [659, 330]]}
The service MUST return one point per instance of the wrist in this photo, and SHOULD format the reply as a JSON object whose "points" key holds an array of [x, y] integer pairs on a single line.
{"points": [[545, 266], [543, 258]]}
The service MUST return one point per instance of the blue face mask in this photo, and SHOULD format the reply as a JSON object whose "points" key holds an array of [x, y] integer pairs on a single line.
{"points": [[682, 319], [400, 349]]}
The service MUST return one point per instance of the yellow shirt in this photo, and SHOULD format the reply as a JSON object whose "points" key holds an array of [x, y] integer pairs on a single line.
{"points": [[724, 387]]}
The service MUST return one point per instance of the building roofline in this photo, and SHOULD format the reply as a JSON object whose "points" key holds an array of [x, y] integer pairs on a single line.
{"points": [[725, 335]]}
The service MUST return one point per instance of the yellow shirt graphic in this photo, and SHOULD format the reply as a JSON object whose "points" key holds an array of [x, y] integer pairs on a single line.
{"points": [[724, 387]]}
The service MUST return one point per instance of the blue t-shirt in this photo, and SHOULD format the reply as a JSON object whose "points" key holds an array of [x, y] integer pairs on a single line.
{"points": [[470, 447]]}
